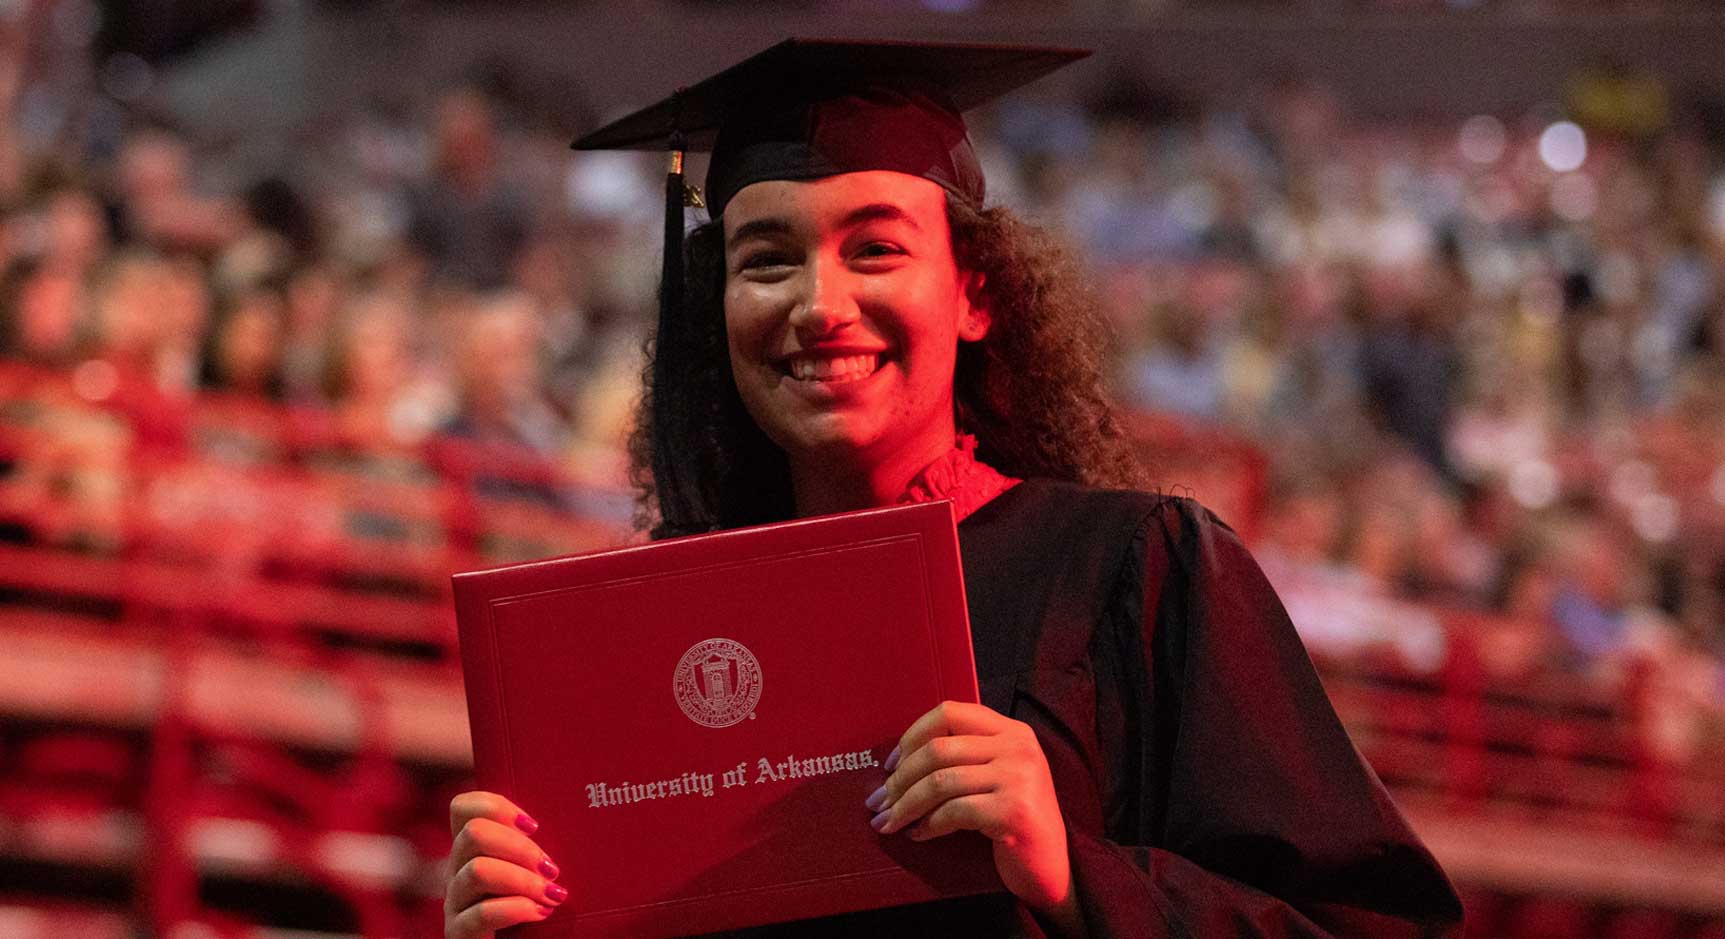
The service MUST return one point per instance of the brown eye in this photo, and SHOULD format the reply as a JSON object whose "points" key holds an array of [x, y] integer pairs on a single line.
{"points": [[764, 259], [879, 249]]}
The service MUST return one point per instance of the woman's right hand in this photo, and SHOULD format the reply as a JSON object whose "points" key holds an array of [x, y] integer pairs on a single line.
{"points": [[498, 876]]}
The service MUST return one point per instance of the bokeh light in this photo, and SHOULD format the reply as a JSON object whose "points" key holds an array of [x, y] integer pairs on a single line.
{"points": [[1563, 147]]}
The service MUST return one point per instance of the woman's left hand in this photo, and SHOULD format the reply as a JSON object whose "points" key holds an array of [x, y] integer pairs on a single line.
{"points": [[966, 766]]}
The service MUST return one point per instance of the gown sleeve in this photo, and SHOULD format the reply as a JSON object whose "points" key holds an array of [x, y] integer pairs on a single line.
{"points": [[1238, 807]]}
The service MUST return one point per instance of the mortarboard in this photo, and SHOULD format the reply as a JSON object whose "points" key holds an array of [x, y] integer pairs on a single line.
{"points": [[805, 109]]}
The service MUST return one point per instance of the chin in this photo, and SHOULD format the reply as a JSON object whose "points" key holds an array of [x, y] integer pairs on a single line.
{"points": [[824, 437]]}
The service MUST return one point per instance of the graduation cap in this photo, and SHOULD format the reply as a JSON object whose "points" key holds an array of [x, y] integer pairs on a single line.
{"points": [[807, 108]]}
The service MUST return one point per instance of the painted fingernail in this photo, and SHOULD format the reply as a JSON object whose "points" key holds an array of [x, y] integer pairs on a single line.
{"points": [[545, 911], [876, 800], [556, 893], [526, 823], [878, 823], [549, 869], [892, 760]]}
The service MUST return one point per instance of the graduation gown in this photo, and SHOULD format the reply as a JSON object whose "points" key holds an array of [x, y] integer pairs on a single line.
{"points": [[1207, 786]]}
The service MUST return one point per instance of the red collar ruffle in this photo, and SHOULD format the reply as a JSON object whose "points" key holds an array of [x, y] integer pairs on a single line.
{"points": [[961, 477]]}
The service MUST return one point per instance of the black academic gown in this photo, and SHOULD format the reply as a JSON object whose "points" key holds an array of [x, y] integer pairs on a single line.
{"points": [[1207, 785]]}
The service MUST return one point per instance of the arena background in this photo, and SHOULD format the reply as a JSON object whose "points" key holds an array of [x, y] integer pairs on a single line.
{"points": [[305, 305]]}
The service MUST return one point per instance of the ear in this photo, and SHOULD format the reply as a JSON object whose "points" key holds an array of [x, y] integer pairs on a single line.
{"points": [[977, 318]]}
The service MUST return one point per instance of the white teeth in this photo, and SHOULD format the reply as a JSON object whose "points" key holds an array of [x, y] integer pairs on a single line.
{"points": [[841, 369]]}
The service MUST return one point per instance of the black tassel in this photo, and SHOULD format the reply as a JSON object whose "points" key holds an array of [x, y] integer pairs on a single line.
{"points": [[672, 334]]}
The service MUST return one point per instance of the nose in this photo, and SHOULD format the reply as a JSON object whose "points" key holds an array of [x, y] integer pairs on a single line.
{"points": [[827, 304]]}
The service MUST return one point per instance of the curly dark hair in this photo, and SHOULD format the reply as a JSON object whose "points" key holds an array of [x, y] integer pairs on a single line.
{"points": [[1031, 391]]}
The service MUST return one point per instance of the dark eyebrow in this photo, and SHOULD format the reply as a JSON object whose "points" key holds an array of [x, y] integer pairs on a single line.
{"points": [[758, 228], [774, 225], [879, 212]]}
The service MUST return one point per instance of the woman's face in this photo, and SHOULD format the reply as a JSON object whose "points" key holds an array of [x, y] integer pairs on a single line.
{"points": [[843, 312]]}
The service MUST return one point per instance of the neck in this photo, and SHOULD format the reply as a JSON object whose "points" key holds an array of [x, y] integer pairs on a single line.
{"points": [[824, 485]]}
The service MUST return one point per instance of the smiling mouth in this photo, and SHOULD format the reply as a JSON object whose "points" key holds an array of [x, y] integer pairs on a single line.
{"points": [[834, 371]]}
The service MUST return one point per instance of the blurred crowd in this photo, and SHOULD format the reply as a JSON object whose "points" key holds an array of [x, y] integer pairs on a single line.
{"points": [[411, 286], [1485, 357]]}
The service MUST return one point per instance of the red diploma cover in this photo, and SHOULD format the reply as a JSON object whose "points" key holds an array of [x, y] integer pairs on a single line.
{"points": [[695, 723]]}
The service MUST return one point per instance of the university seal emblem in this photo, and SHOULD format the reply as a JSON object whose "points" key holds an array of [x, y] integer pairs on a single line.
{"points": [[718, 683]]}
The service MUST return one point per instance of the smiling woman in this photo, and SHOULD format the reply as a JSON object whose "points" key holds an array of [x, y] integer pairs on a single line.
{"points": [[1026, 376], [1152, 754], [843, 310]]}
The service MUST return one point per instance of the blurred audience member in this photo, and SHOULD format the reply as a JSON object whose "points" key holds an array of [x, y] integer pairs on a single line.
{"points": [[134, 311], [467, 219], [546, 273], [244, 356], [1523, 641], [185, 313], [41, 311], [1181, 373], [74, 231], [1408, 360], [315, 294], [1597, 601], [278, 235], [160, 207], [369, 376], [500, 381]]}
